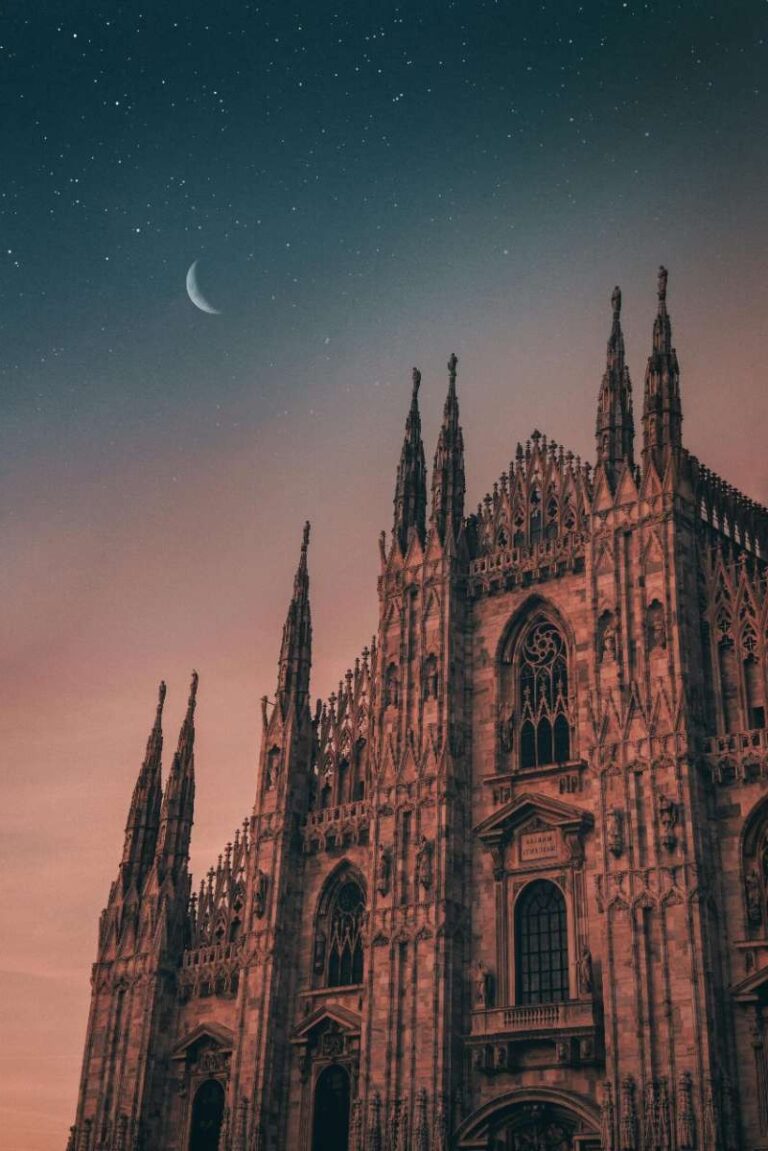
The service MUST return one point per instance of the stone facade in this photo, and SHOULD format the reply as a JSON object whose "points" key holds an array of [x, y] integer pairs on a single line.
{"points": [[508, 887]]}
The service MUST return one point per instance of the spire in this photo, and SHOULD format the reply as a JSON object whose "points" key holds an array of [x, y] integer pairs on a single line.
{"points": [[662, 412], [179, 798], [187, 733], [615, 430], [411, 486], [448, 483], [144, 814], [296, 649]]}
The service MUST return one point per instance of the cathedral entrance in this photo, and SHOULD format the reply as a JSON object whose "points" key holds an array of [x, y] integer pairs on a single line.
{"points": [[207, 1114], [330, 1126], [543, 1119], [535, 1129]]}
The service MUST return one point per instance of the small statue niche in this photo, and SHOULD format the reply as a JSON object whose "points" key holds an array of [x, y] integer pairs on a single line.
{"points": [[506, 729], [383, 870], [391, 687], [424, 862], [607, 637], [483, 981], [585, 972], [430, 677], [260, 895], [614, 832], [754, 898], [655, 627], [668, 819]]}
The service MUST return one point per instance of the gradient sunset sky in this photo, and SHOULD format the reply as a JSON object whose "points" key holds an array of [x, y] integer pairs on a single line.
{"points": [[366, 187]]}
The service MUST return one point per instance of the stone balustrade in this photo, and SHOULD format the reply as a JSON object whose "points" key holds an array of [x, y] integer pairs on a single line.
{"points": [[537, 1017]]}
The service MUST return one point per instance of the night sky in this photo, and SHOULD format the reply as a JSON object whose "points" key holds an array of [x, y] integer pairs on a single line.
{"points": [[365, 187]]}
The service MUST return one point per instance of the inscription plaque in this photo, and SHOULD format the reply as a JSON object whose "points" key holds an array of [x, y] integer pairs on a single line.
{"points": [[539, 845]]}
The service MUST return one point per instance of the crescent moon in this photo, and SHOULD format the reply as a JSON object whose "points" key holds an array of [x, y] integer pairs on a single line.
{"points": [[194, 293]]}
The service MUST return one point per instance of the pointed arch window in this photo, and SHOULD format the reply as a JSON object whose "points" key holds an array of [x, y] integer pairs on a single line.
{"points": [[545, 728], [541, 944], [345, 942]]}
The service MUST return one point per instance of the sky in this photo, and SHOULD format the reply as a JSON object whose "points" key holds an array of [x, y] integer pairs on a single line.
{"points": [[366, 187]]}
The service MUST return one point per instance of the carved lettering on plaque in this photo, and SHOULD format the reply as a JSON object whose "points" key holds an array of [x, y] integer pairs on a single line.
{"points": [[539, 845]]}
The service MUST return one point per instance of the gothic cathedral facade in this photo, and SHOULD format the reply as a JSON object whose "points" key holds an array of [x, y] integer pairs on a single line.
{"points": [[507, 888]]}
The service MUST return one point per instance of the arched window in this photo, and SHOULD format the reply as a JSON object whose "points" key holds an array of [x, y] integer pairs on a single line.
{"points": [[541, 944], [729, 685], [545, 730], [345, 944], [207, 1115]]}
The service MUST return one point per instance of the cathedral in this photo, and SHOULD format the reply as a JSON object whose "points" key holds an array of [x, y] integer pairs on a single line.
{"points": [[507, 887]]}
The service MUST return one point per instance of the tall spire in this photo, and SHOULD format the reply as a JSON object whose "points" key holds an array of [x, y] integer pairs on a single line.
{"points": [[144, 815], [662, 411], [411, 486], [296, 648], [448, 484], [179, 798], [615, 430]]}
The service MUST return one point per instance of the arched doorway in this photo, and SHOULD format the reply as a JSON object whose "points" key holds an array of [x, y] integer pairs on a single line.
{"points": [[538, 1119], [535, 1127], [330, 1125], [207, 1114]]}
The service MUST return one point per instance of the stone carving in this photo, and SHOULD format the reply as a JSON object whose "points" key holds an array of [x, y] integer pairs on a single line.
{"points": [[668, 818], [686, 1134], [391, 687], [655, 627], [383, 870], [711, 1125], [628, 1126], [608, 640], [260, 894], [483, 986], [599, 894], [754, 897], [424, 862], [318, 954], [614, 832], [212, 1062], [440, 1135], [422, 1126], [542, 1134], [607, 1119], [507, 733], [430, 677], [585, 972], [374, 1132], [224, 1131], [358, 1126]]}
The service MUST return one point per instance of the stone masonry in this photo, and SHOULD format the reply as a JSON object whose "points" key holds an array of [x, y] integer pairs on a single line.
{"points": [[507, 888]]}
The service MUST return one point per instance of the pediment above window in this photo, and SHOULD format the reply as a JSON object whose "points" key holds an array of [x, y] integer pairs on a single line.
{"points": [[205, 1050], [330, 1018], [535, 830], [532, 810], [753, 989]]}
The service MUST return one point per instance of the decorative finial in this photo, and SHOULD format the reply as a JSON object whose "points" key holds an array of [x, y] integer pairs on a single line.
{"points": [[416, 374], [616, 302], [305, 537], [193, 689], [161, 697], [453, 361], [663, 274]]}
